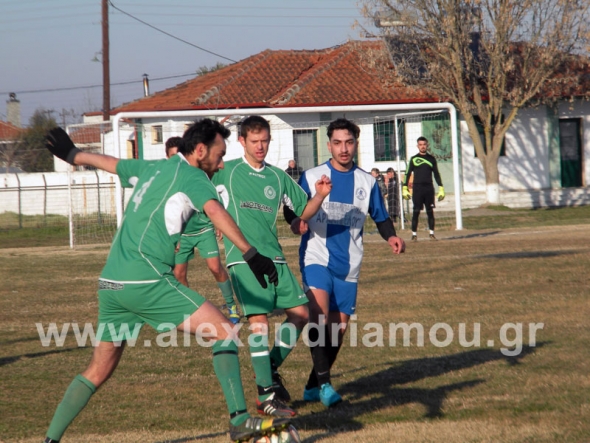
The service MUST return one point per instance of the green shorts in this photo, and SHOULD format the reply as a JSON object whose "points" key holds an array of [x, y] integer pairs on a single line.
{"points": [[254, 299], [123, 308], [205, 242]]}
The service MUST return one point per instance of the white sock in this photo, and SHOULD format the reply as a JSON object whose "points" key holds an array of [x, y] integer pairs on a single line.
{"points": [[431, 232], [414, 233]]}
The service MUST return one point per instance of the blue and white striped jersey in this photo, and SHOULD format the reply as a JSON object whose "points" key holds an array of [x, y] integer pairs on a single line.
{"points": [[335, 236]]}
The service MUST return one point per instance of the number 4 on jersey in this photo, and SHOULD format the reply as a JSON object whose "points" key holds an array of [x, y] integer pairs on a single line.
{"points": [[138, 197]]}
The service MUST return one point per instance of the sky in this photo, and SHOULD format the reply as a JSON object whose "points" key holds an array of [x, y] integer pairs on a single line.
{"points": [[50, 50]]}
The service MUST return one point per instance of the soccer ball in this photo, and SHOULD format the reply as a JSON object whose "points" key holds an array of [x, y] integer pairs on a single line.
{"points": [[288, 435]]}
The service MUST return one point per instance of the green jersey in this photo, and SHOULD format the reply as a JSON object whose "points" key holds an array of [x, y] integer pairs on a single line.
{"points": [[253, 198], [167, 193], [199, 233]]}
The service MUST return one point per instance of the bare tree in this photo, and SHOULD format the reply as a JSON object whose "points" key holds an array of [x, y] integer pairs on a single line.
{"points": [[488, 57]]}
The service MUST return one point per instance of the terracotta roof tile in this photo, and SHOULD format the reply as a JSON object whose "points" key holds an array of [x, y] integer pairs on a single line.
{"points": [[8, 131], [282, 78], [333, 76]]}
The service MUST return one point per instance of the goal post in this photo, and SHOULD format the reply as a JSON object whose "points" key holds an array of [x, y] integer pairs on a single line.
{"points": [[387, 139], [333, 111]]}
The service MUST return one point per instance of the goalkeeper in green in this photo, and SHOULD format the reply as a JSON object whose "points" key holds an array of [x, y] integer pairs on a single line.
{"points": [[423, 166]]}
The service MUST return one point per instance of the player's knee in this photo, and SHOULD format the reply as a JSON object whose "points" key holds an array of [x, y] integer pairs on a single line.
{"points": [[299, 317]]}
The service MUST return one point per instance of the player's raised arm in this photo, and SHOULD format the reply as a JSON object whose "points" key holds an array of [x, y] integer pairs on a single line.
{"points": [[322, 187], [61, 145]]}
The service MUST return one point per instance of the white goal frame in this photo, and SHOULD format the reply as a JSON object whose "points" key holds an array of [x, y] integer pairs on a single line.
{"points": [[410, 108]]}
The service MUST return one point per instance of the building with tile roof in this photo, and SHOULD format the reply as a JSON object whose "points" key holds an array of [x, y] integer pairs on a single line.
{"points": [[544, 149]]}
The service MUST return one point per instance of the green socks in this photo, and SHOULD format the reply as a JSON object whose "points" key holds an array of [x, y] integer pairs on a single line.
{"points": [[227, 292], [286, 339], [261, 364], [227, 370], [74, 400]]}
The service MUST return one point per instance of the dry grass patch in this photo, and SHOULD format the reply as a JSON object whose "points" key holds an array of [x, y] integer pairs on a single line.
{"points": [[392, 393]]}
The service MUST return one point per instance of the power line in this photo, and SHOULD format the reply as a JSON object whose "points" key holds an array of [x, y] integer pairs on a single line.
{"points": [[73, 88], [170, 35]]}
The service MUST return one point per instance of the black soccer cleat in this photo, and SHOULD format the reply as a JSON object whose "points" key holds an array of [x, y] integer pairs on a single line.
{"points": [[254, 428], [432, 237], [274, 407], [414, 238], [278, 386]]}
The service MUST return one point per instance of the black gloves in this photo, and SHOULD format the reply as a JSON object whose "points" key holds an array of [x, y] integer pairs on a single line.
{"points": [[261, 266], [61, 145]]}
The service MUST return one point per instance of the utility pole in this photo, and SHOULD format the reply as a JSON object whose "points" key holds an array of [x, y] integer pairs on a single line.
{"points": [[106, 76]]}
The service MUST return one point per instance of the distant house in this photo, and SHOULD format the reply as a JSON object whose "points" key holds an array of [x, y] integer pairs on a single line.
{"points": [[546, 148], [9, 135]]}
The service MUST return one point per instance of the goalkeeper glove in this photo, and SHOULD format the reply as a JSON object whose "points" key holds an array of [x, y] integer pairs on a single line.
{"points": [[405, 193], [261, 266], [61, 145], [441, 193]]}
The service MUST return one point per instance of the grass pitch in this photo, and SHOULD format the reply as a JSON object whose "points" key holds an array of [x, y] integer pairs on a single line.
{"points": [[442, 390]]}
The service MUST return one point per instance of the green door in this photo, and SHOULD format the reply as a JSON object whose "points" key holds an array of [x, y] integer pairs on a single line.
{"points": [[571, 152]]}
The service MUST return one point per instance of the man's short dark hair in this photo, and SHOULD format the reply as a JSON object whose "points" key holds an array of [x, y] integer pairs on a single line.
{"points": [[422, 139], [173, 142], [254, 123], [342, 123], [202, 131]]}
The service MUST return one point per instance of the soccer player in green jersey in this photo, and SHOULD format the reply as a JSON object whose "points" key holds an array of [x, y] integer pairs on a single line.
{"points": [[200, 234], [253, 191], [137, 285]]}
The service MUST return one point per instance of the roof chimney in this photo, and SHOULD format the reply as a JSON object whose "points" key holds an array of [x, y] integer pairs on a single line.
{"points": [[146, 85], [13, 110]]}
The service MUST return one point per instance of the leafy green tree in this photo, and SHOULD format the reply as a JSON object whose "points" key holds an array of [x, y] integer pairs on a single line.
{"points": [[207, 69], [32, 156]]}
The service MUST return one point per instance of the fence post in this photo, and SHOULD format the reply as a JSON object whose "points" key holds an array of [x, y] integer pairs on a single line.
{"points": [[20, 212], [70, 211], [44, 200], [99, 218]]}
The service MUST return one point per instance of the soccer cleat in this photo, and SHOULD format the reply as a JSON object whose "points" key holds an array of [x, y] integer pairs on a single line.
{"points": [[312, 394], [234, 315], [432, 237], [274, 407], [254, 428], [328, 396], [278, 387], [414, 238]]}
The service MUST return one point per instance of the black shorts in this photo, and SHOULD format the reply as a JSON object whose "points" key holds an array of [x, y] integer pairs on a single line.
{"points": [[423, 196]]}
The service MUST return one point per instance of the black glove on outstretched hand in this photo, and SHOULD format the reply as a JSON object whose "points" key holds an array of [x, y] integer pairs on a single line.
{"points": [[261, 266], [61, 145]]}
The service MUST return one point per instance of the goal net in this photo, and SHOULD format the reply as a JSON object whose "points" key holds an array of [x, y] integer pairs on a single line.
{"points": [[387, 140]]}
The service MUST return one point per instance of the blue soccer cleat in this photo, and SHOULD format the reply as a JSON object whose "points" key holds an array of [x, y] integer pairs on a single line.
{"points": [[234, 315], [328, 396], [312, 394]]}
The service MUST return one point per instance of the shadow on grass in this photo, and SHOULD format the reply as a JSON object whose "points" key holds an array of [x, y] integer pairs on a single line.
{"points": [[19, 340], [195, 438], [383, 390], [528, 254], [477, 235], [15, 358]]}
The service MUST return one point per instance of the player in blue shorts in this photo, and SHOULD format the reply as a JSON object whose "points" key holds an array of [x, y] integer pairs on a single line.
{"points": [[331, 251], [137, 285]]}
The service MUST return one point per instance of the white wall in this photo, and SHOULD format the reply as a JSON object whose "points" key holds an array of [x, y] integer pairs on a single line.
{"points": [[47, 193], [526, 164]]}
